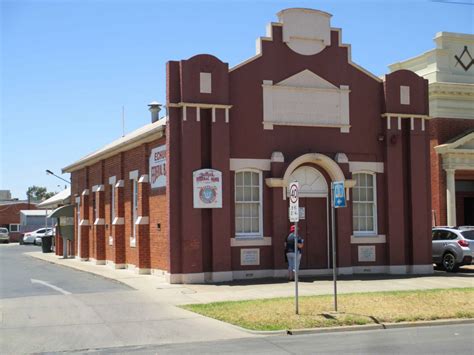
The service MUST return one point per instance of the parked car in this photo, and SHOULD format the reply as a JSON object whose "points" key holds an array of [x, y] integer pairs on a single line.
{"points": [[39, 240], [4, 235], [453, 246], [30, 237]]}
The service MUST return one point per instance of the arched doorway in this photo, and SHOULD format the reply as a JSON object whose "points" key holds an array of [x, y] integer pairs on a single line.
{"points": [[313, 226]]}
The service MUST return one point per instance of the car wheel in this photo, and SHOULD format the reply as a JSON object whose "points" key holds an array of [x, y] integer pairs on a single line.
{"points": [[449, 262]]}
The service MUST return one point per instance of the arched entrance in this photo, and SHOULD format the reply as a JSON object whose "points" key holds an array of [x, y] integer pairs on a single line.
{"points": [[313, 226]]}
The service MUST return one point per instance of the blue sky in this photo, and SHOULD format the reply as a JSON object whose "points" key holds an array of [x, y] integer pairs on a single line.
{"points": [[68, 67]]}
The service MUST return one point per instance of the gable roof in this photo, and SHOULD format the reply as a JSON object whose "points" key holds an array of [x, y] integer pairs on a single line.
{"points": [[131, 140], [455, 144]]}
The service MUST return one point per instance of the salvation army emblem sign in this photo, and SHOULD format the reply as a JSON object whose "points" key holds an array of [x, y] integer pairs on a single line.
{"points": [[207, 186]]}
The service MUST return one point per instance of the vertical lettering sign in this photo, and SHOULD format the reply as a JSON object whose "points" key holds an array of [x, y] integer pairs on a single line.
{"points": [[207, 186], [158, 167]]}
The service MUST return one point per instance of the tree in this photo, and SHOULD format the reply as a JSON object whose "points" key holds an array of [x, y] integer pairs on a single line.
{"points": [[38, 193]]}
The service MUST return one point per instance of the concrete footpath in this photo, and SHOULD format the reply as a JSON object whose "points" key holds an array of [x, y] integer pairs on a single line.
{"points": [[160, 290]]}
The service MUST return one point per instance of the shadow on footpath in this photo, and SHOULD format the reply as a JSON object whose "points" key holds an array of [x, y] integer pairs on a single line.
{"points": [[465, 271]]}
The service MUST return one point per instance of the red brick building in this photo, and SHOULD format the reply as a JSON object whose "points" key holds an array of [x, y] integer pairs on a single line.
{"points": [[201, 195], [10, 216], [449, 68]]}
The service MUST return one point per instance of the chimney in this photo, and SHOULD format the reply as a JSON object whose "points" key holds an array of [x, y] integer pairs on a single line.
{"points": [[155, 109]]}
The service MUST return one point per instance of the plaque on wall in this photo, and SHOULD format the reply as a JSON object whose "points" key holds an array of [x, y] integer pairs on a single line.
{"points": [[207, 186], [249, 257], [366, 253]]}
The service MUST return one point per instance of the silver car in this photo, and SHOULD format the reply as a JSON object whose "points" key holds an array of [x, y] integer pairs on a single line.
{"points": [[452, 247], [4, 236]]}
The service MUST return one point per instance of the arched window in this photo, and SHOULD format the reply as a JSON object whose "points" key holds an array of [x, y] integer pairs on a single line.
{"points": [[364, 204], [248, 203]]}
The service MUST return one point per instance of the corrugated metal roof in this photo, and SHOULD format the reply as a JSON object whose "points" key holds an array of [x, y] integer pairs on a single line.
{"points": [[35, 212], [59, 199], [127, 142], [16, 202]]}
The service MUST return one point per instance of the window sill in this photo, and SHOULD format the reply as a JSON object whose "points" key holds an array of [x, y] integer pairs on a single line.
{"points": [[368, 239], [244, 241]]}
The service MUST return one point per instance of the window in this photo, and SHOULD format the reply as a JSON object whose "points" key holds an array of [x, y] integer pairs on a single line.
{"points": [[248, 203], [14, 227], [112, 203], [364, 208], [94, 206], [134, 207], [468, 235]]}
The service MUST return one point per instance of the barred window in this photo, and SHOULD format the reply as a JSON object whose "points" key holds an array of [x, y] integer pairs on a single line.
{"points": [[364, 209], [248, 203]]}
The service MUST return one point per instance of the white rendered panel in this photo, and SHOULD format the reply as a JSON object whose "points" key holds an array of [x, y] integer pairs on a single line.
{"points": [[205, 83]]}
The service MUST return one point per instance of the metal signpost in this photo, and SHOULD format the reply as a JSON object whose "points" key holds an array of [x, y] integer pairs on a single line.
{"points": [[294, 214], [338, 201]]}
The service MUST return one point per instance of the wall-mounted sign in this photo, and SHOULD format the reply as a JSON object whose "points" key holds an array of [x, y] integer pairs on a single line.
{"points": [[249, 257], [366, 253], [465, 59], [158, 167], [207, 186]]}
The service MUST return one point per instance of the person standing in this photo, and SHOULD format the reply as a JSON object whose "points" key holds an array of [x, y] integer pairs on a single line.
{"points": [[291, 256]]}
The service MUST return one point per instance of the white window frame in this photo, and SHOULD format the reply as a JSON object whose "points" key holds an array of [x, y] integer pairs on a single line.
{"points": [[375, 214], [112, 203], [259, 234], [133, 175], [17, 227]]}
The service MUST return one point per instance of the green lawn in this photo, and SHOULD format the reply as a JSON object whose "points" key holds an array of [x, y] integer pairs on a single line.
{"points": [[357, 308]]}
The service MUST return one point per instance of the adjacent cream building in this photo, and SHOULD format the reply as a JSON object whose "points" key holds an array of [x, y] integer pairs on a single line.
{"points": [[449, 69]]}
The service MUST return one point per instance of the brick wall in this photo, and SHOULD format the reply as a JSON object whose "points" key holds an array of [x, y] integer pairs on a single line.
{"points": [[441, 131], [112, 167], [134, 159], [152, 246], [10, 214]]}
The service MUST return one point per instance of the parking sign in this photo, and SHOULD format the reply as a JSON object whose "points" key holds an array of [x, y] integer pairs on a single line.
{"points": [[339, 194], [294, 212]]}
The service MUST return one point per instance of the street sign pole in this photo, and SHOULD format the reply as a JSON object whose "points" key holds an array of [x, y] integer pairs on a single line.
{"points": [[296, 268], [294, 217], [338, 201], [334, 271]]}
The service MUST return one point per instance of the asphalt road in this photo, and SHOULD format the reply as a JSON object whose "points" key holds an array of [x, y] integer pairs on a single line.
{"points": [[452, 339], [23, 276], [48, 308]]}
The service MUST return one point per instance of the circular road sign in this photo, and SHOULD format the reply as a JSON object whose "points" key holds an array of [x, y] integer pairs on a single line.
{"points": [[294, 192]]}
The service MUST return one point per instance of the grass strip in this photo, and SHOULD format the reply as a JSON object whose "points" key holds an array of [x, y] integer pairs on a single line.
{"points": [[354, 309]]}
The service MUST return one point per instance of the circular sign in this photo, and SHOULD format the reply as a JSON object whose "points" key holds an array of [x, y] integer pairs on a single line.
{"points": [[293, 193], [208, 194]]}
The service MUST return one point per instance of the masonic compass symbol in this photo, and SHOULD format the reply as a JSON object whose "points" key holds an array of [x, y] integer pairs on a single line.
{"points": [[461, 61]]}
